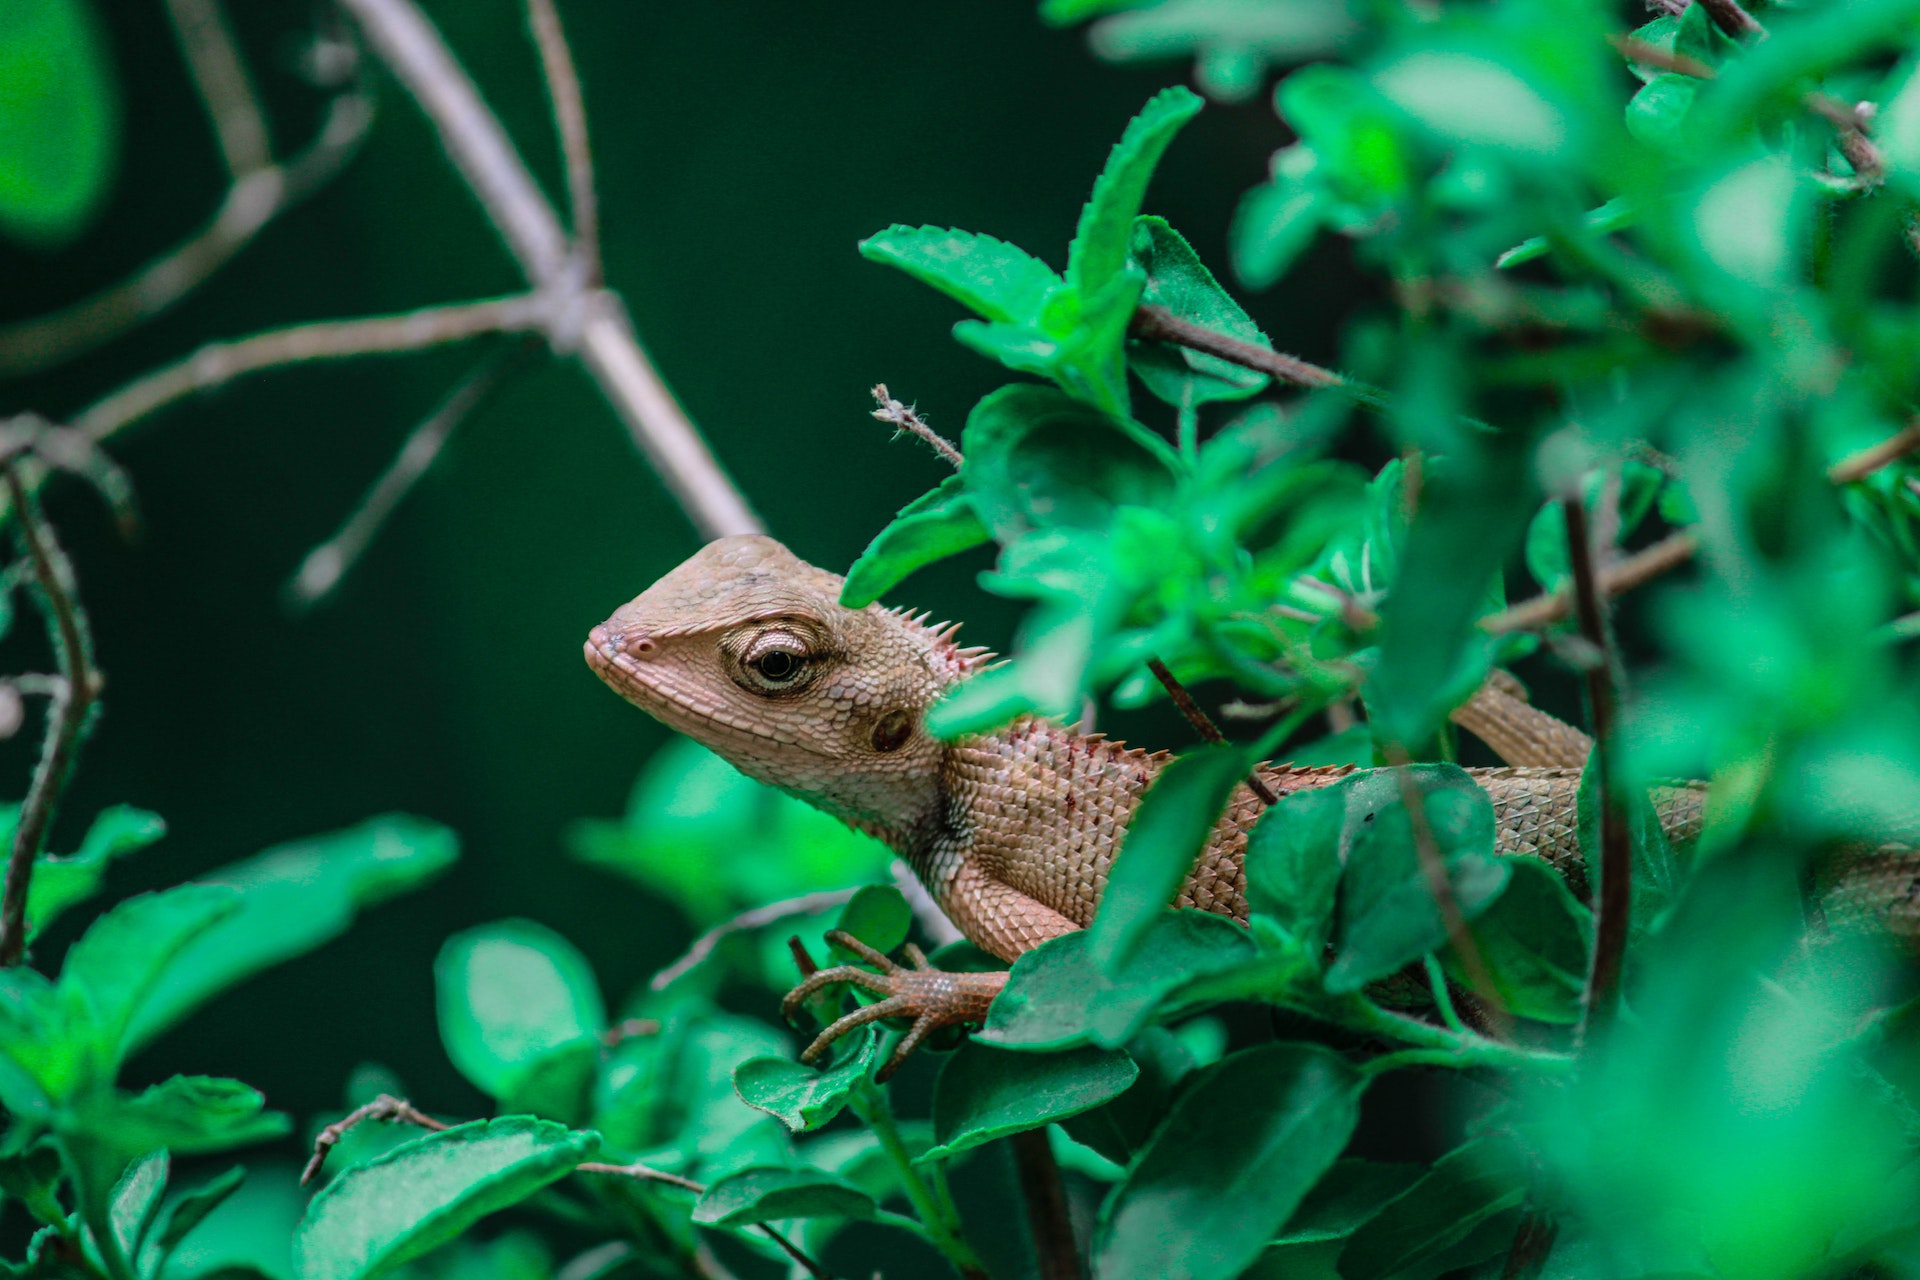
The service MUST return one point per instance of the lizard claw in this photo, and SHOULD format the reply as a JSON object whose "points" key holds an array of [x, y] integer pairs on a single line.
{"points": [[932, 998]]}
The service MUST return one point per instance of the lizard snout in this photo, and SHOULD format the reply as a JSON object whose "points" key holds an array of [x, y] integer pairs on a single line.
{"points": [[605, 643]]}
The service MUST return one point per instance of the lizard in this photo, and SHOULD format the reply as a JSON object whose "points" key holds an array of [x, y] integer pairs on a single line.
{"points": [[746, 648]]}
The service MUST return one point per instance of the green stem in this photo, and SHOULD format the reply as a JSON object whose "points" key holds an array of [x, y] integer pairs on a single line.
{"points": [[1189, 430], [1440, 1046], [942, 1225], [1442, 997]]}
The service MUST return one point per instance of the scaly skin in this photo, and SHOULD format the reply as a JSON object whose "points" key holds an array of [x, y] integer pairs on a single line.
{"points": [[747, 649]]}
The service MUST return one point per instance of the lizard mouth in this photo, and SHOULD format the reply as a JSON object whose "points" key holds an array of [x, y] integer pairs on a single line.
{"points": [[652, 689]]}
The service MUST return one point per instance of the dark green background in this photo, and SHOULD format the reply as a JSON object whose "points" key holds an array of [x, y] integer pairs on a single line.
{"points": [[743, 149]]}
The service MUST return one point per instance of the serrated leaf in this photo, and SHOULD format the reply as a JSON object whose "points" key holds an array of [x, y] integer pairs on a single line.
{"points": [[775, 1193], [1180, 282], [1159, 847], [419, 1196], [291, 899], [508, 995], [985, 1093], [985, 275], [933, 526], [1099, 249], [59, 120], [1247, 1139], [802, 1097]]}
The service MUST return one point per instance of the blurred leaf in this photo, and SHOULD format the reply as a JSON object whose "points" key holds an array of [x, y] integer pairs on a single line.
{"points": [[136, 1199], [1534, 941], [291, 899], [879, 916], [423, 1194], [191, 1209], [985, 1093], [1350, 1195], [1655, 870], [1234, 41], [1465, 1187], [1277, 220], [251, 1231], [1470, 99], [985, 275], [1387, 914], [775, 1194], [1638, 488], [1059, 996], [510, 994], [1180, 282], [557, 1084], [802, 1097], [672, 1092], [1162, 840], [60, 883], [1657, 115], [32, 1176], [187, 1115], [935, 525], [59, 119], [1243, 1145], [1353, 139]]}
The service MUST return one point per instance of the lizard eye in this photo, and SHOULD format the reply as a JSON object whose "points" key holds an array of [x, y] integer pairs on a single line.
{"points": [[776, 662], [778, 665]]}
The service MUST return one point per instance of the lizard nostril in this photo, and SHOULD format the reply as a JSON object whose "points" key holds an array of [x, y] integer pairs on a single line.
{"points": [[641, 646]]}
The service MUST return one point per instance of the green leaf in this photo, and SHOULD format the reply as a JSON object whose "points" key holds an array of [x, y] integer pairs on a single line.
{"points": [[1273, 225], [985, 1093], [1533, 941], [558, 1084], [58, 119], [801, 1097], [1293, 863], [1159, 847], [1180, 282], [1473, 100], [1038, 458], [293, 898], [879, 916], [122, 960], [1099, 250], [136, 1199], [60, 883], [44, 1047], [1350, 1194], [1656, 871], [776, 1193], [1058, 996], [987, 276], [1354, 145], [1657, 115], [508, 995], [1118, 1129], [192, 1208], [933, 526], [33, 1177], [1464, 1188], [421, 1195], [187, 1115], [1248, 1138], [1388, 916]]}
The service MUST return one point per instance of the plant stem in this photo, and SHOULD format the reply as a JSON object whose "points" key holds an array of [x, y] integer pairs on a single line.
{"points": [[1442, 997], [943, 1226], [1438, 1046], [1046, 1201]]}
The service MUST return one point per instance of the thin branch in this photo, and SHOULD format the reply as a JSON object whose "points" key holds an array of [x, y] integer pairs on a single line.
{"points": [[747, 921], [1157, 324], [253, 202], [1641, 567], [219, 363], [1203, 724], [906, 417], [68, 717], [385, 1107], [329, 562], [1613, 904], [1732, 19], [647, 1173], [1046, 1199], [570, 118], [233, 104], [1858, 466], [595, 324], [1652, 55], [1532, 1245], [934, 923]]}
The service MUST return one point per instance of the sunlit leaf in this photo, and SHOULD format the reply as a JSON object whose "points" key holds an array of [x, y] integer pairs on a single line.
{"points": [[935, 525], [509, 994]]}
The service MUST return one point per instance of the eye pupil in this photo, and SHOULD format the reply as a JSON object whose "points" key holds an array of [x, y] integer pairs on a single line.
{"points": [[777, 665]]}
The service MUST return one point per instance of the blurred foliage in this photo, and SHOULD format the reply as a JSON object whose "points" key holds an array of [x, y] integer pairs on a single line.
{"points": [[1662, 276]]}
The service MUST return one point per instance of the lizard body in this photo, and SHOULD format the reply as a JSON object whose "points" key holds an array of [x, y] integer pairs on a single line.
{"points": [[747, 649]]}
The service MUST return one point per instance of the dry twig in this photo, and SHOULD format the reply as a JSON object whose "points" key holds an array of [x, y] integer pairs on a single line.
{"points": [[1858, 466], [906, 417], [570, 118], [384, 1107], [1157, 324], [747, 921]]}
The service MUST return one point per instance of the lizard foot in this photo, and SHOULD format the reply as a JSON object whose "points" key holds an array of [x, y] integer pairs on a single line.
{"points": [[932, 998]]}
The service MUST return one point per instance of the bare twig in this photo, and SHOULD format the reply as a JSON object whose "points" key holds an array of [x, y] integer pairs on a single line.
{"points": [[254, 200], [1046, 1199], [233, 104], [934, 923], [1533, 1244], [68, 717], [747, 921], [1203, 724], [1641, 567], [384, 1107], [629, 1029], [1650, 55], [1157, 324], [906, 417], [594, 326], [1614, 901], [647, 1173], [219, 363], [1732, 19], [570, 118], [1858, 466], [327, 563]]}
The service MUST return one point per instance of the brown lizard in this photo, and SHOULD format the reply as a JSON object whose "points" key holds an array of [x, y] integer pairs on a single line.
{"points": [[747, 649]]}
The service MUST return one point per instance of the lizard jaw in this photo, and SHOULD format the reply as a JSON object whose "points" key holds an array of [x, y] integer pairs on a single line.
{"points": [[614, 658]]}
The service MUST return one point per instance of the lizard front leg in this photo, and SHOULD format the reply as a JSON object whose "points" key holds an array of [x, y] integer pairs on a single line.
{"points": [[997, 917]]}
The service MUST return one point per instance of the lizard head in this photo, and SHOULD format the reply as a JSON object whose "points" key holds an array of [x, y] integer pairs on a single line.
{"points": [[747, 649]]}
